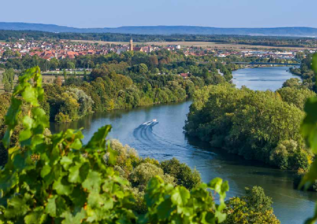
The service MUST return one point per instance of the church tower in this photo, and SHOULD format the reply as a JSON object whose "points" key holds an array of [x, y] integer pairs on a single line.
{"points": [[131, 44]]}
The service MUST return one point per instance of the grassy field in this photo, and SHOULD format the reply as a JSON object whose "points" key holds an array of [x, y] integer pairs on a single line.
{"points": [[212, 45]]}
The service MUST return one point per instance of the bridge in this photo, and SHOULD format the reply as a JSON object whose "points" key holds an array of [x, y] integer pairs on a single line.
{"points": [[266, 63]]}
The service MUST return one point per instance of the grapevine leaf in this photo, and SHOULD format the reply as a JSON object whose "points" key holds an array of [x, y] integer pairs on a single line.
{"points": [[76, 144], [66, 161], [62, 186], [56, 206], [8, 179], [93, 181], [35, 217], [180, 196], [78, 197], [215, 184], [29, 96], [78, 173], [165, 209], [16, 207], [98, 141], [46, 170], [73, 219], [51, 206]]}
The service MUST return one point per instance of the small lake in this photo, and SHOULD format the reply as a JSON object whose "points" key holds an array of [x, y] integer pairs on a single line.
{"points": [[265, 78], [167, 140]]}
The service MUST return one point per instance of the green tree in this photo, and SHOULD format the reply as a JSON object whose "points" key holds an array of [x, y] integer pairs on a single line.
{"points": [[295, 96], [182, 173], [8, 79], [255, 207], [309, 132], [292, 82], [143, 68]]}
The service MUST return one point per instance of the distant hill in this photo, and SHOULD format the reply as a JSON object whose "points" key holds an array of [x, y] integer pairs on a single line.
{"points": [[166, 30]]}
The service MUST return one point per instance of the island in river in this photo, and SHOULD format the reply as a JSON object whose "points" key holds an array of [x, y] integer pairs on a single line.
{"points": [[166, 140]]}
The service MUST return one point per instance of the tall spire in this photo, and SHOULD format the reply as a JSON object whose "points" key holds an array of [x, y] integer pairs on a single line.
{"points": [[131, 44]]}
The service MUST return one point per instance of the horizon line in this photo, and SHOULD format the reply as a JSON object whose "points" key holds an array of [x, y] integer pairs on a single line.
{"points": [[51, 24]]}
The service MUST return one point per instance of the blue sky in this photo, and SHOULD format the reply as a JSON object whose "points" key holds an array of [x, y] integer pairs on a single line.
{"points": [[114, 13]]}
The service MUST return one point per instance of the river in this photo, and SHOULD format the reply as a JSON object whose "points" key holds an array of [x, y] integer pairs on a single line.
{"points": [[166, 140], [271, 78]]}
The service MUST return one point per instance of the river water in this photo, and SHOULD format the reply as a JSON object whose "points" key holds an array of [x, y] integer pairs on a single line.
{"points": [[271, 78], [167, 140]]}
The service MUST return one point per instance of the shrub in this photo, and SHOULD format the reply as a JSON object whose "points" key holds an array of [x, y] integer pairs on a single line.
{"points": [[141, 175], [182, 173], [255, 207]]}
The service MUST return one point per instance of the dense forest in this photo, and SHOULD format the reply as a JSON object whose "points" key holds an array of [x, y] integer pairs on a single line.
{"points": [[279, 41], [125, 81], [56, 179], [257, 125]]}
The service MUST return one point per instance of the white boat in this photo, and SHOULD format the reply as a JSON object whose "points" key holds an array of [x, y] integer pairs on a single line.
{"points": [[154, 121]]}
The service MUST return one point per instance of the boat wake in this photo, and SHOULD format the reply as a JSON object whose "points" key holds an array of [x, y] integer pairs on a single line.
{"points": [[153, 145]]}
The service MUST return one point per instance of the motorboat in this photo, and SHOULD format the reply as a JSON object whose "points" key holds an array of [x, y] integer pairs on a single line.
{"points": [[153, 122]]}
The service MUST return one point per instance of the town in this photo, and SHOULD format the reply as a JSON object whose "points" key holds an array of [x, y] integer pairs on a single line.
{"points": [[71, 49]]}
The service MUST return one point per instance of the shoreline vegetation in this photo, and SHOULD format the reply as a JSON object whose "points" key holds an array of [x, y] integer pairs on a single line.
{"points": [[257, 125]]}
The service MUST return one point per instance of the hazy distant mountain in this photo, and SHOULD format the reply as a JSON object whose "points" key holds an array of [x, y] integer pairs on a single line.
{"points": [[166, 30]]}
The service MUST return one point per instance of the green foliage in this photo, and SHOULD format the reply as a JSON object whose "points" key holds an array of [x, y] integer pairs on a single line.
{"points": [[5, 104], [7, 79], [182, 173], [292, 82], [309, 132], [296, 96], [287, 155], [109, 91], [252, 124], [57, 179], [141, 175], [255, 207], [306, 72]]}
